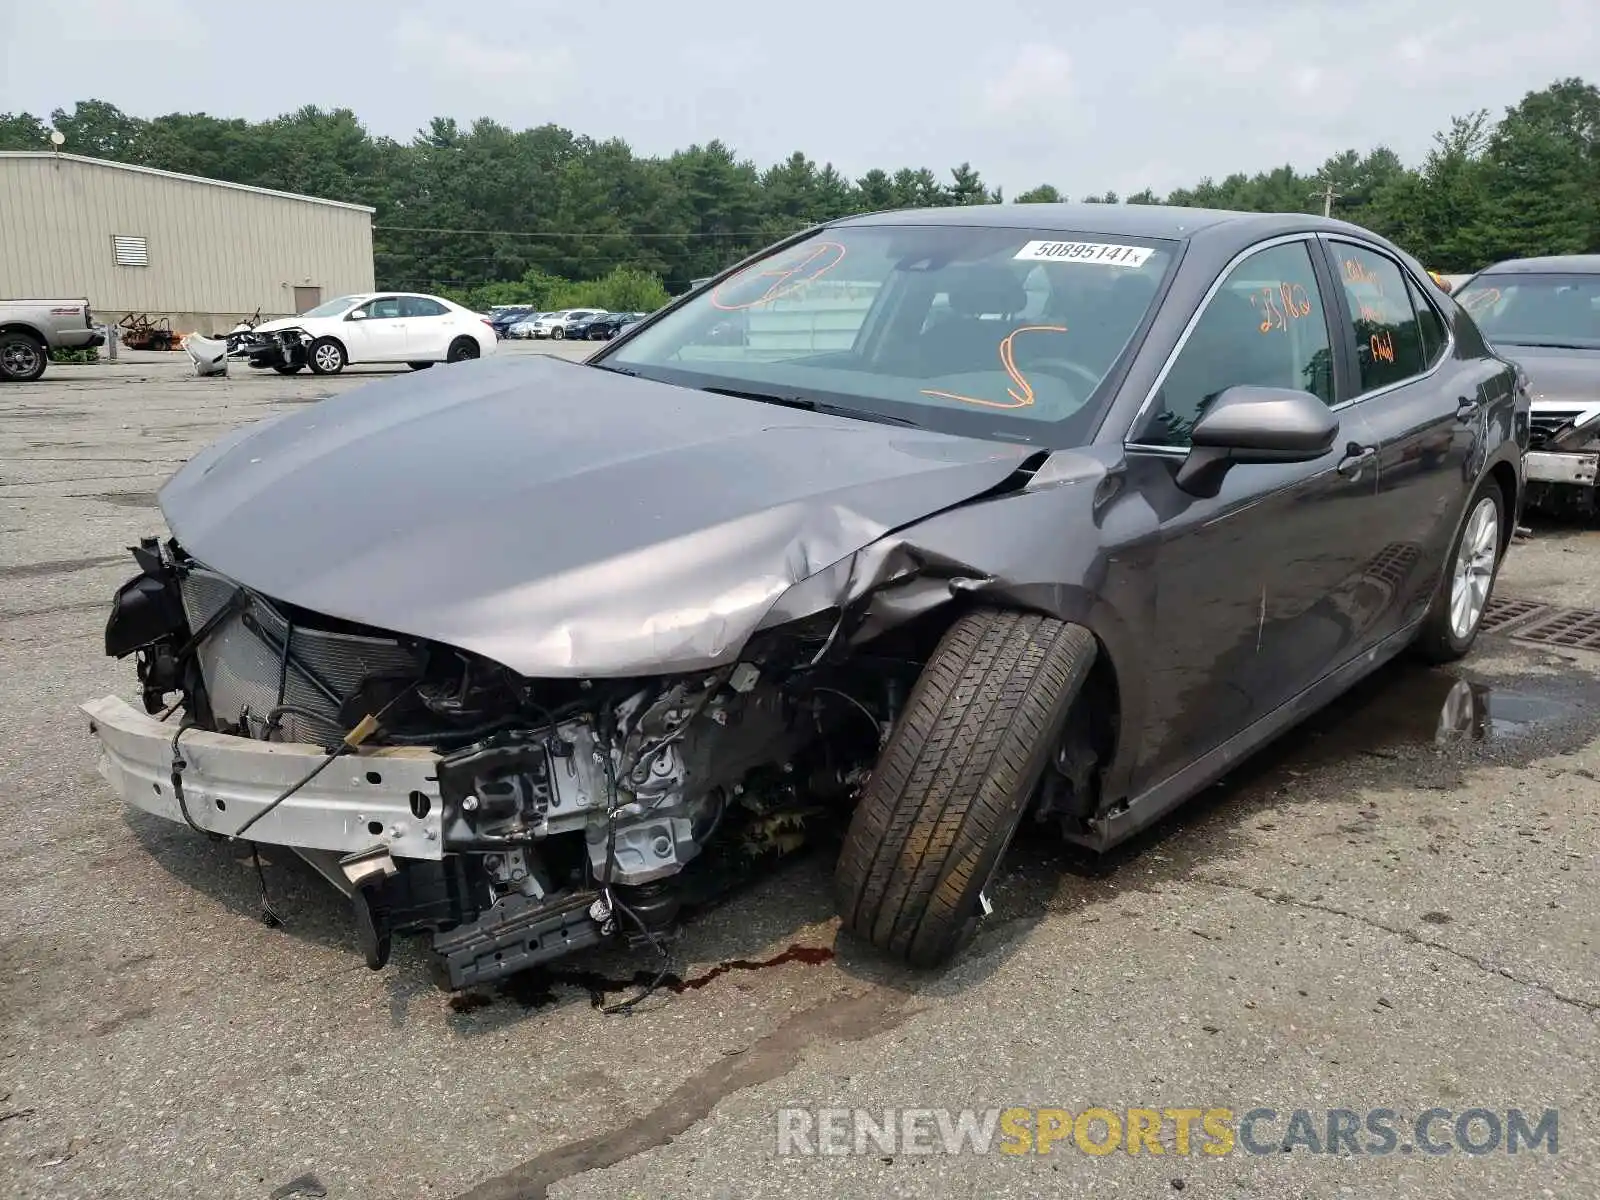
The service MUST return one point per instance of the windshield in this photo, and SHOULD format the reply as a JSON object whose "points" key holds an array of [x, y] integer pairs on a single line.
{"points": [[988, 332], [331, 308], [1536, 309]]}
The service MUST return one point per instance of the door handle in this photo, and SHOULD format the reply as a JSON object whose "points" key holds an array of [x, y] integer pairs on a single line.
{"points": [[1467, 408], [1355, 458]]}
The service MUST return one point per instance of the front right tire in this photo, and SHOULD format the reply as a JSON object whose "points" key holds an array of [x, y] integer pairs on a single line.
{"points": [[955, 780]]}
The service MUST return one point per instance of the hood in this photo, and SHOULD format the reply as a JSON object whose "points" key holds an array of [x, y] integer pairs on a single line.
{"points": [[557, 518], [284, 323], [1556, 376]]}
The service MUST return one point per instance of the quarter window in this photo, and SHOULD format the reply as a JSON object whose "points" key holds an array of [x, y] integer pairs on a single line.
{"points": [[1266, 326], [1430, 326], [1388, 339]]}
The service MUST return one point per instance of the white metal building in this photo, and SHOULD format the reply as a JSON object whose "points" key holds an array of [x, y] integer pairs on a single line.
{"points": [[200, 252]]}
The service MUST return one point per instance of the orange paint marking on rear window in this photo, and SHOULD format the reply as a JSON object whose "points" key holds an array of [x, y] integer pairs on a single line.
{"points": [[788, 274], [1022, 393]]}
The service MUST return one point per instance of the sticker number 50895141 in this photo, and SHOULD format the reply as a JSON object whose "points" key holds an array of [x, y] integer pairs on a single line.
{"points": [[1103, 254]]}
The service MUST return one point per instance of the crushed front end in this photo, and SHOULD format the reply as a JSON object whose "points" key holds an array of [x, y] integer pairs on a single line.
{"points": [[508, 820], [279, 349]]}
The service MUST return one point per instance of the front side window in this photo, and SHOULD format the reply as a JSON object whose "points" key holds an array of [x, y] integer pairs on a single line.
{"points": [[1536, 309], [1266, 326], [1388, 341], [1006, 333], [388, 307]]}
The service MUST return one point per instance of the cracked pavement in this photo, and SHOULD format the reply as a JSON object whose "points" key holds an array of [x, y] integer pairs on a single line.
{"points": [[1359, 917]]}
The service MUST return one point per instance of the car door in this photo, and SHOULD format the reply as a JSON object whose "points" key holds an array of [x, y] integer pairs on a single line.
{"points": [[376, 331], [1427, 408], [1252, 584], [430, 328]]}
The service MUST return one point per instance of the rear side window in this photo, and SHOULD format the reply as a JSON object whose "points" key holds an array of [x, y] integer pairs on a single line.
{"points": [[1388, 341], [1430, 326], [421, 306]]}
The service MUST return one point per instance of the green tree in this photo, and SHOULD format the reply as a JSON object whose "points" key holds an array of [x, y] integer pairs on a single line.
{"points": [[1043, 194]]}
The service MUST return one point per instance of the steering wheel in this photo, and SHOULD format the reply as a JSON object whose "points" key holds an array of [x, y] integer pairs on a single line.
{"points": [[1062, 367]]}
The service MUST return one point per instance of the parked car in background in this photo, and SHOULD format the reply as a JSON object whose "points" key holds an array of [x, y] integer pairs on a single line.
{"points": [[1151, 486], [522, 328], [1545, 314], [372, 327], [558, 325], [501, 320], [606, 326], [30, 329]]}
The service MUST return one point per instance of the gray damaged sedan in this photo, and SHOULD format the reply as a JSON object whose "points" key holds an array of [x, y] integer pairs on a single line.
{"points": [[938, 527]]}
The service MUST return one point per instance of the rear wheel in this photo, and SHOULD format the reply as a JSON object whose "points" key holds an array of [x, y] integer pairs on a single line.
{"points": [[558, 333], [22, 357], [326, 356], [462, 349], [1451, 626], [955, 780]]}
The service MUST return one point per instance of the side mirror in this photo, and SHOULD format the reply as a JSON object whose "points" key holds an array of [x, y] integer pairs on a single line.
{"points": [[1255, 425], [359, 314]]}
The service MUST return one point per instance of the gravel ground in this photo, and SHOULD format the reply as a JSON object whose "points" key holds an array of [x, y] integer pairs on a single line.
{"points": [[1362, 918]]}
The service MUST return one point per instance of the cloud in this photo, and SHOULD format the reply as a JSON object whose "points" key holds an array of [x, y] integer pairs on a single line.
{"points": [[1039, 74], [470, 62]]}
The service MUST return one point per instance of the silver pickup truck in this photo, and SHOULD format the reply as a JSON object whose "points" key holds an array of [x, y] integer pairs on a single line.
{"points": [[30, 329]]}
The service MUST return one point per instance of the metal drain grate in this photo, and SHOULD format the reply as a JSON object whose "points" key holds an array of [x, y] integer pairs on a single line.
{"points": [[1578, 628], [1505, 611]]}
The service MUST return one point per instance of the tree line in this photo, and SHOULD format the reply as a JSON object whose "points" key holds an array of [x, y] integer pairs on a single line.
{"points": [[494, 214]]}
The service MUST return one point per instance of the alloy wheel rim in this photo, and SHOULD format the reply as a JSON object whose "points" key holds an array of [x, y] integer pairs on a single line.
{"points": [[327, 358], [1473, 573], [21, 359]]}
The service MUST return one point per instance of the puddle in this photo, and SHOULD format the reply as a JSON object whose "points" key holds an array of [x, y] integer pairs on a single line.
{"points": [[537, 988], [1407, 707]]}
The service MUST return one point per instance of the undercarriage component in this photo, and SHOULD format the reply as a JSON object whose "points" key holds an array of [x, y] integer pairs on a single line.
{"points": [[516, 934]]}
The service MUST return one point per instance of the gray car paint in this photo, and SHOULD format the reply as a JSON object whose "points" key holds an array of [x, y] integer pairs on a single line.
{"points": [[560, 520]]}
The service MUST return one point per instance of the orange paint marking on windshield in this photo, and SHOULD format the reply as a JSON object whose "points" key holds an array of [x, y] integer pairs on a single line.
{"points": [[813, 263], [1019, 399]]}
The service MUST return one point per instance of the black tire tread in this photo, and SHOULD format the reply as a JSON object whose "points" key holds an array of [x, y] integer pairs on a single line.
{"points": [[950, 786]]}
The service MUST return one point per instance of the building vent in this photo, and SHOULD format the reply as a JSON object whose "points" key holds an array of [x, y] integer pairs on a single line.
{"points": [[130, 251]]}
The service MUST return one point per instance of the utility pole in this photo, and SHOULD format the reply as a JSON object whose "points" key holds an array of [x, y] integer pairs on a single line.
{"points": [[1328, 196]]}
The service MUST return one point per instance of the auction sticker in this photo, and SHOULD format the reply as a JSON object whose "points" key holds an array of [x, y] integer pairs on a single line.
{"points": [[1103, 253]]}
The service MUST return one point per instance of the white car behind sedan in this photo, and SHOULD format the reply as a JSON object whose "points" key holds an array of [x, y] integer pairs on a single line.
{"points": [[388, 327]]}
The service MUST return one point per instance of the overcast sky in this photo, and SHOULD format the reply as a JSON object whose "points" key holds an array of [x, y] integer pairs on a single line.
{"points": [[1112, 95]]}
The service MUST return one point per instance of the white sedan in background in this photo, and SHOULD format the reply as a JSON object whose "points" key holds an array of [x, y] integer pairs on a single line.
{"points": [[386, 327]]}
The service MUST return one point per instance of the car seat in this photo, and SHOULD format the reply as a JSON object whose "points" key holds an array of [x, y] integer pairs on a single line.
{"points": [[965, 342]]}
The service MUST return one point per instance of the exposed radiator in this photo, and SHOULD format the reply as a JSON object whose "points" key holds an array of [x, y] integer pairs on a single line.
{"points": [[244, 673]]}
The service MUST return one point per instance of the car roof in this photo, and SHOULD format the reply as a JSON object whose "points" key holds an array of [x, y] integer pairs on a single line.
{"points": [[1570, 264], [1125, 220]]}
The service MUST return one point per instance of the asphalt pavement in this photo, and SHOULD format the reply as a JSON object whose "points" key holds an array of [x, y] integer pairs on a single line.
{"points": [[1395, 907]]}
